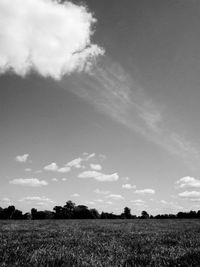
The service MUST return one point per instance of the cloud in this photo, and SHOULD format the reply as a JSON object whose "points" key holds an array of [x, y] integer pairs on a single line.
{"points": [[54, 167], [51, 167], [54, 179], [99, 200], [101, 192], [109, 202], [115, 93], [36, 198], [96, 167], [64, 169], [89, 202], [42, 35], [147, 191], [99, 176], [27, 170], [190, 194], [64, 179], [138, 202], [33, 182], [75, 195], [188, 182], [22, 158], [76, 163], [89, 156], [164, 202], [115, 197], [6, 201], [128, 186]]}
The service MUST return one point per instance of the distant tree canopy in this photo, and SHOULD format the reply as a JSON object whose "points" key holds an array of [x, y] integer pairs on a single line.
{"points": [[72, 211]]}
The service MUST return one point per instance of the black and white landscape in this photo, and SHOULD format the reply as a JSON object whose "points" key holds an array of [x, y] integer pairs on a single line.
{"points": [[99, 120]]}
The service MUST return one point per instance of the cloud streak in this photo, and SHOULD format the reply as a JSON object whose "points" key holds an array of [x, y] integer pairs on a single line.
{"points": [[113, 92], [45, 36]]}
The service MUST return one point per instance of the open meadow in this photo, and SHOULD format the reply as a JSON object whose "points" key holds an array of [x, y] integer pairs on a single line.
{"points": [[100, 243]]}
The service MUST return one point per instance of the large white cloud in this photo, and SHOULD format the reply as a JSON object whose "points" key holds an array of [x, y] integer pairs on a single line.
{"points": [[188, 182], [50, 38]]}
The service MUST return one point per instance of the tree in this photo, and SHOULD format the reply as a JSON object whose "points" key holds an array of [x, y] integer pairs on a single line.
{"points": [[69, 209], [144, 215], [127, 213], [34, 214]]}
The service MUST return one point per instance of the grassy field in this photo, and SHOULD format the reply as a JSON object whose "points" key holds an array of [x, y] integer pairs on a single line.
{"points": [[100, 243]]}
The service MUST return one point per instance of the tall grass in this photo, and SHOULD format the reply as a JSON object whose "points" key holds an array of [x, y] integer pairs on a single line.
{"points": [[100, 243]]}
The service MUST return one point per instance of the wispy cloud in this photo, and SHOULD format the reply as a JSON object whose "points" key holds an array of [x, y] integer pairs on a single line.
{"points": [[112, 91], [33, 182], [115, 197], [36, 198]]}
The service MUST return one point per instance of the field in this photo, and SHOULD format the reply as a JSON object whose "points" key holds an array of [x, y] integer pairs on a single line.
{"points": [[100, 243]]}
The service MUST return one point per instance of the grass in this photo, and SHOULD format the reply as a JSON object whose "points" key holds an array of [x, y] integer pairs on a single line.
{"points": [[100, 243]]}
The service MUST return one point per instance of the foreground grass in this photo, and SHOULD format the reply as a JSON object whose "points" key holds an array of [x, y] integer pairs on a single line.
{"points": [[100, 243]]}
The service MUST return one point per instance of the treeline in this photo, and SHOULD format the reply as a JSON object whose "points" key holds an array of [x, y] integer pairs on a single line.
{"points": [[71, 211]]}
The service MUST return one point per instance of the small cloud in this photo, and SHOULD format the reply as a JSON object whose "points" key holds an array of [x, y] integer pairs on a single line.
{"points": [[51, 167], [64, 169], [54, 167], [36, 198], [54, 179], [6, 201], [33, 182], [27, 170], [147, 191], [96, 167], [125, 178], [163, 202], [75, 195], [22, 158], [115, 197], [128, 186], [109, 202], [188, 182], [89, 202], [99, 176], [190, 194], [64, 179], [92, 155], [99, 200], [102, 156], [138, 202], [76, 163], [101, 192]]}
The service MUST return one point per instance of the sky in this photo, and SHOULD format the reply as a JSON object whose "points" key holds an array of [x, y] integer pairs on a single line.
{"points": [[99, 104]]}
